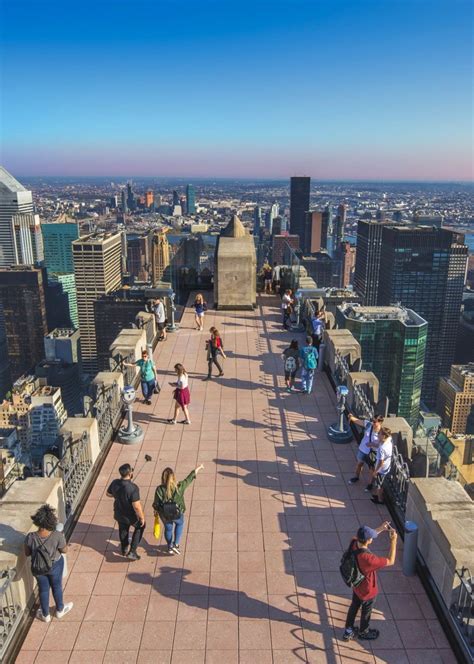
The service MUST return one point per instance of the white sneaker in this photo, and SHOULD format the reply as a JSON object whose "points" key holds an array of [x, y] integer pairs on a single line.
{"points": [[66, 609], [40, 616]]}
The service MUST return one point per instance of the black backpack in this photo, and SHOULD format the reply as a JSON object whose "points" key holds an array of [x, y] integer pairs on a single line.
{"points": [[170, 511], [41, 562], [350, 572]]}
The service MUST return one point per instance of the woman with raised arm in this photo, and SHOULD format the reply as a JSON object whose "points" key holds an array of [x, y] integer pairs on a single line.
{"points": [[169, 505]]}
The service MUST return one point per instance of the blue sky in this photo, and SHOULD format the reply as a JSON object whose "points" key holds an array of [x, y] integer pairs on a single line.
{"points": [[369, 88]]}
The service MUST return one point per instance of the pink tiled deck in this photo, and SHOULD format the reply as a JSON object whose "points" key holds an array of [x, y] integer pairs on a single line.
{"points": [[258, 580]]}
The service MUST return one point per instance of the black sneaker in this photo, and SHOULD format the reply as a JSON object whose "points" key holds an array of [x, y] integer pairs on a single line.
{"points": [[124, 551], [175, 548], [170, 550], [376, 501], [369, 635], [369, 487], [353, 480], [133, 555], [350, 634]]}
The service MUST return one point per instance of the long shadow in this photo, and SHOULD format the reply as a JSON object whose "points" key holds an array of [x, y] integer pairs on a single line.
{"points": [[174, 582]]}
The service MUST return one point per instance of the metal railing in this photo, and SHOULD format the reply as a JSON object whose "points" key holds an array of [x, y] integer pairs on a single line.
{"points": [[397, 481], [10, 610], [462, 608], [105, 406], [74, 466]]}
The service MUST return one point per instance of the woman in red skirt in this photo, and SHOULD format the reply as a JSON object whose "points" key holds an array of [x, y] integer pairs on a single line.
{"points": [[181, 395]]}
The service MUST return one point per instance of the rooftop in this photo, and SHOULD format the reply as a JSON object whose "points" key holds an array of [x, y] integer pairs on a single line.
{"points": [[266, 523], [368, 314], [61, 333]]}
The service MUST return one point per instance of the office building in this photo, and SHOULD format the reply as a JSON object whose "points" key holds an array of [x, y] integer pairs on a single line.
{"points": [[20, 230], [347, 257], [57, 240], [393, 345], [160, 256], [131, 200], [114, 202], [427, 219], [257, 220], [62, 367], [339, 226], [5, 378], [324, 270], [16, 411], [48, 415], [68, 286], [299, 205], [283, 247], [313, 236], [455, 401], [423, 268], [22, 297], [123, 199], [98, 271], [367, 263], [28, 239], [190, 199], [139, 256], [113, 313], [149, 199], [176, 199], [326, 224]]}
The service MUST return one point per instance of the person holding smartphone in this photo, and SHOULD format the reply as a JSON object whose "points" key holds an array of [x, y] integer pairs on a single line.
{"points": [[365, 593]]}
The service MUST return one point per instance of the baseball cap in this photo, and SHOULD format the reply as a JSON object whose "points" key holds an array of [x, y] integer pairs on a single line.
{"points": [[365, 533]]}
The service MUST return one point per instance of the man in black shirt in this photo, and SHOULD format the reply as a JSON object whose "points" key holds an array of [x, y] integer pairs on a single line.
{"points": [[128, 510]]}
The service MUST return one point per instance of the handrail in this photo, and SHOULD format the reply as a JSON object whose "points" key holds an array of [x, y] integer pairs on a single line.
{"points": [[462, 608], [10, 610]]}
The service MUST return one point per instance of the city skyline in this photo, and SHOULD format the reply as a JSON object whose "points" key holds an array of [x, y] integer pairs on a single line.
{"points": [[350, 91]]}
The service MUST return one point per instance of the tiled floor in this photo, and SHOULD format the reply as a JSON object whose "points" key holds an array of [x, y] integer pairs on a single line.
{"points": [[258, 580]]}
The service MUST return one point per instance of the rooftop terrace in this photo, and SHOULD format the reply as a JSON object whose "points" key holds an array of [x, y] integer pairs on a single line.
{"points": [[258, 581]]}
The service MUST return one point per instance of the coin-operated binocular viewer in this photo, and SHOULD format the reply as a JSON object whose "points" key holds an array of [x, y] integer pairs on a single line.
{"points": [[132, 433], [340, 431]]}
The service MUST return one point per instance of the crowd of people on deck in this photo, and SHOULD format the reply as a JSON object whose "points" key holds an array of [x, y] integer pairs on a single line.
{"points": [[47, 545]]}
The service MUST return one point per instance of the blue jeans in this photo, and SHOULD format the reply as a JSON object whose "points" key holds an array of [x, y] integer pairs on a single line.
{"points": [[177, 525], [307, 376], [147, 388], [53, 580]]}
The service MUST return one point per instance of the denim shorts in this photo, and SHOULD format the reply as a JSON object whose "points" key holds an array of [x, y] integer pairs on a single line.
{"points": [[362, 457]]}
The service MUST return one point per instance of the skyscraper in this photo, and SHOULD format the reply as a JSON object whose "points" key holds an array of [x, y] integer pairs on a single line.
{"points": [[326, 223], [68, 285], [149, 199], [313, 232], [339, 226], [160, 257], [424, 268], [24, 311], [393, 345], [367, 264], [57, 240], [176, 200], [123, 198], [299, 205], [455, 401], [257, 220], [347, 257], [98, 270], [190, 199], [20, 230], [131, 202]]}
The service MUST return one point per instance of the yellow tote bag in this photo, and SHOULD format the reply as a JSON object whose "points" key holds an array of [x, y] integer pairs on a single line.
{"points": [[157, 528]]}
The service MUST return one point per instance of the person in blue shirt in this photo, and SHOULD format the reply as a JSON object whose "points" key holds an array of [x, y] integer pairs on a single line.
{"points": [[309, 360], [318, 326]]}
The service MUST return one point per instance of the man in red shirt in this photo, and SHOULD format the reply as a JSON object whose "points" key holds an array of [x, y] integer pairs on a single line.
{"points": [[364, 594]]}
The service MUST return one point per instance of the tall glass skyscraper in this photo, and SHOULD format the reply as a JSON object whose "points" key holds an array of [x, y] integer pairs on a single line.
{"points": [[20, 231], [57, 241], [190, 199], [299, 205], [423, 268], [393, 345]]}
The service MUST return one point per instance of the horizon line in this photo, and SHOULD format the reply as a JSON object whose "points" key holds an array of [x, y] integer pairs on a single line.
{"points": [[259, 178]]}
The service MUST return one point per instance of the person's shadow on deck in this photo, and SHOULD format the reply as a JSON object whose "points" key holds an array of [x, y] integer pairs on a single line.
{"points": [[174, 582]]}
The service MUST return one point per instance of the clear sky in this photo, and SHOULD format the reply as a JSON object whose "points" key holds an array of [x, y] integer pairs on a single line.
{"points": [[378, 89]]}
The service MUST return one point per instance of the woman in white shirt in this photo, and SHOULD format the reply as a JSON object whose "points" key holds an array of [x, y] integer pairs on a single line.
{"points": [[383, 464], [181, 395]]}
